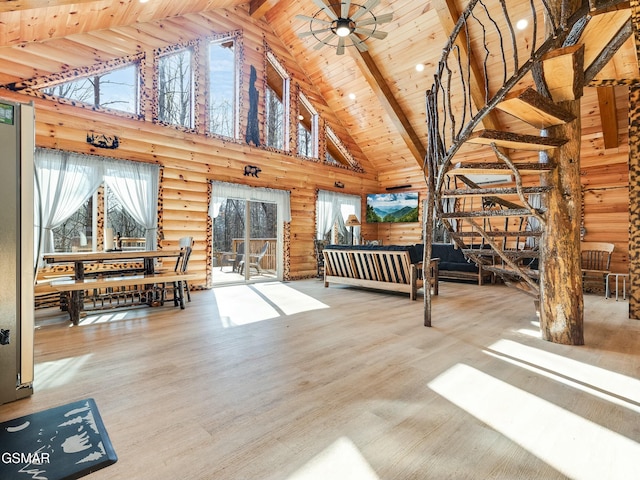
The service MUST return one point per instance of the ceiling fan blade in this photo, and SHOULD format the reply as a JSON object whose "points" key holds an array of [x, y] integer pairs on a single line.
{"points": [[322, 42], [359, 44], [364, 9], [340, 49], [385, 18], [346, 6], [313, 19], [323, 6], [372, 33], [313, 32]]}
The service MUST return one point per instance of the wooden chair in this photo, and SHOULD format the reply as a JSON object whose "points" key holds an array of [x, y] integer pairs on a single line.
{"points": [[254, 260], [596, 263]]}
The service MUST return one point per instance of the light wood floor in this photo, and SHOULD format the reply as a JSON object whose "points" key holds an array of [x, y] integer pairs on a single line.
{"points": [[297, 382]]}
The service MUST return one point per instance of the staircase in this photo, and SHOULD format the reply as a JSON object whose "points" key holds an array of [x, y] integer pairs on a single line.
{"points": [[490, 201]]}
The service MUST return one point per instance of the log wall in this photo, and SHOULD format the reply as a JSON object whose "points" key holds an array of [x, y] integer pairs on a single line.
{"points": [[190, 160]]}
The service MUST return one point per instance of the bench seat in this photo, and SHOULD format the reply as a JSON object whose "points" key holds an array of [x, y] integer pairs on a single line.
{"points": [[146, 288]]}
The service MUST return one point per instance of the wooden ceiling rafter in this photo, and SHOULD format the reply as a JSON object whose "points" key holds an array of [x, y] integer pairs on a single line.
{"points": [[608, 116], [258, 8]]}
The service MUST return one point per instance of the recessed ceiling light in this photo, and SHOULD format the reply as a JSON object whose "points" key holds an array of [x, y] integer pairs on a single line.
{"points": [[419, 67], [522, 24], [144, 1], [352, 96], [300, 117]]}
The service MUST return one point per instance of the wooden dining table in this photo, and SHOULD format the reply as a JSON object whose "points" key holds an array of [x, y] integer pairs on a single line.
{"points": [[73, 290], [79, 259]]}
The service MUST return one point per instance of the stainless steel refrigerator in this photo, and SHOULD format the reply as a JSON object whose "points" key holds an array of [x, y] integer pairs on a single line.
{"points": [[17, 144]]}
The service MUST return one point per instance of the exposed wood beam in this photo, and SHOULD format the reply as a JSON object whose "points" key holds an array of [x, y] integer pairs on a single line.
{"points": [[608, 116], [13, 6], [391, 106], [449, 14], [258, 8]]}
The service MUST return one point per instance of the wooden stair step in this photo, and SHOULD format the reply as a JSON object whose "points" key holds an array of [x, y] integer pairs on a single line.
{"points": [[517, 141], [496, 233], [531, 107], [500, 191], [498, 168], [511, 254], [509, 212]]}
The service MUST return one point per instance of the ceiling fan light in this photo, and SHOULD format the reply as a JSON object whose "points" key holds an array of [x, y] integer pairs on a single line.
{"points": [[343, 27]]}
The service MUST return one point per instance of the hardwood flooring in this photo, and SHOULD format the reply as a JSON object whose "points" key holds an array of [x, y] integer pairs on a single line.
{"points": [[295, 381]]}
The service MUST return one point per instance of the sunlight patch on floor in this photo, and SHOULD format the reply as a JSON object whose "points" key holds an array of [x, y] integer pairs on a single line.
{"points": [[103, 318], [287, 299], [599, 382], [241, 305], [341, 459], [58, 372], [569, 443]]}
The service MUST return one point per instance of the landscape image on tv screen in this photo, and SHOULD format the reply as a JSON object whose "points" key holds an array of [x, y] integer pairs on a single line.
{"points": [[392, 207]]}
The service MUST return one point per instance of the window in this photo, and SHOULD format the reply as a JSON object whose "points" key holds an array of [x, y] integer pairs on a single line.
{"points": [[77, 232], [276, 105], [72, 188], [116, 90], [336, 152], [222, 88], [175, 89], [307, 129], [332, 209]]}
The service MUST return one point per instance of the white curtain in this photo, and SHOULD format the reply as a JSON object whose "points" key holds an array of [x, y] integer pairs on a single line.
{"points": [[135, 185], [332, 207], [66, 181], [223, 190]]}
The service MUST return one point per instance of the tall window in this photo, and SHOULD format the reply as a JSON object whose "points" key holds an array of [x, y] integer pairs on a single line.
{"points": [[222, 88], [332, 210], [277, 105], [336, 152], [175, 88], [116, 89], [307, 129]]}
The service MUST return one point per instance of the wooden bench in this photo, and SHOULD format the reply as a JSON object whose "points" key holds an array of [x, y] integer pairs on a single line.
{"points": [[379, 269], [145, 289]]}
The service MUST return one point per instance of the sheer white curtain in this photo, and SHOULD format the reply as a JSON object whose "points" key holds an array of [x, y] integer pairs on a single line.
{"points": [[66, 181], [223, 190], [135, 185], [332, 207]]}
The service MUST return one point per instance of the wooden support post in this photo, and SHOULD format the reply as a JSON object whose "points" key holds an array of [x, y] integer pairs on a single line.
{"points": [[561, 301], [634, 203]]}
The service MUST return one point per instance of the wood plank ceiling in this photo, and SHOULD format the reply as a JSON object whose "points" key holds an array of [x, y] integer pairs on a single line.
{"points": [[386, 118]]}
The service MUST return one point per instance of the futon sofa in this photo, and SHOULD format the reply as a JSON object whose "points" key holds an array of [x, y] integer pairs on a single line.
{"points": [[385, 267], [454, 265]]}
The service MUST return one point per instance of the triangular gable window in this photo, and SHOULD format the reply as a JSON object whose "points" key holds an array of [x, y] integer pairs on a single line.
{"points": [[114, 89], [336, 153]]}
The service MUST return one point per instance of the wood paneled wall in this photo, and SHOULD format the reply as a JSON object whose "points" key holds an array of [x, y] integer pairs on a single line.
{"points": [[191, 160]]}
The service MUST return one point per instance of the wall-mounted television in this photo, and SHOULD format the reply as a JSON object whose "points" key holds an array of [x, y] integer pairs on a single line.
{"points": [[392, 207]]}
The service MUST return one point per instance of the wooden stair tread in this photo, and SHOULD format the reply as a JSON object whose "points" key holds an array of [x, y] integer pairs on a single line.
{"points": [[536, 110], [510, 212], [510, 272], [512, 254], [496, 233], [498, 168], [517, 141], [599, 31], [472, 192]]}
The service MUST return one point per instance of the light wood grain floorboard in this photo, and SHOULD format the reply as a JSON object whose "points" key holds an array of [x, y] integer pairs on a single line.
{"points": [[295, 381]]}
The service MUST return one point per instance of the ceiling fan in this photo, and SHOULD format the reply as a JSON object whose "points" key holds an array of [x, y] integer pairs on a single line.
{"points": [[336, 23]]}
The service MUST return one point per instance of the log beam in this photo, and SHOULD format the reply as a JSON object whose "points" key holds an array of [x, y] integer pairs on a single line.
{"points": [[608, 116]]}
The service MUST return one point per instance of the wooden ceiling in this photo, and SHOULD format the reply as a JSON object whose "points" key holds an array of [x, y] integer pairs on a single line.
{"points": [[386, 118]]}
